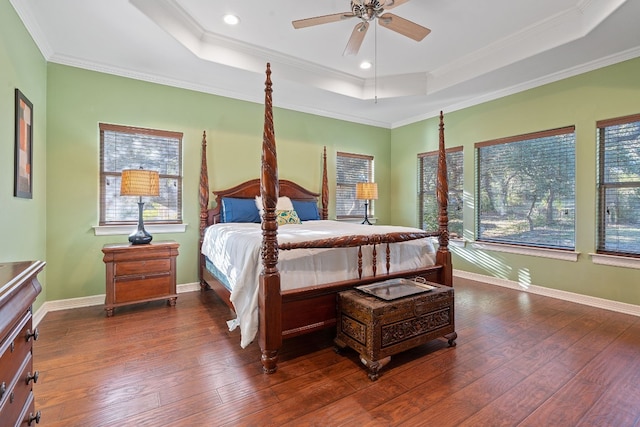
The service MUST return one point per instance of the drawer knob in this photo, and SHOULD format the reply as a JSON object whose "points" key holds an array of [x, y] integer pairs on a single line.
{"points": [[3, 389], [35, 334], [33, 418], [33, 377]]}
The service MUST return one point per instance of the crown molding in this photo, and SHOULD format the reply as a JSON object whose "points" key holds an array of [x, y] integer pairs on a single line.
{"points": [[550, 78]]}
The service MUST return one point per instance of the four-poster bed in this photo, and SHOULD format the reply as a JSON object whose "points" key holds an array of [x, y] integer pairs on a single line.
{"points": [[284, 312]]}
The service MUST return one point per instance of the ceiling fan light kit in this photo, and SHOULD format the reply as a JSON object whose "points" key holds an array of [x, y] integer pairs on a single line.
{"points": [[367, 11]]}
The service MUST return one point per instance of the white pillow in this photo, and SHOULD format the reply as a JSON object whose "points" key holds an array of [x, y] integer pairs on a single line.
{"points": [[283, 204]]}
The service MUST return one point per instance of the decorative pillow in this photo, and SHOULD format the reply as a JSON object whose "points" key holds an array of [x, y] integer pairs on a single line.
{"points": [[287, 217], [306, 210], [283, 204], [239, 210]]}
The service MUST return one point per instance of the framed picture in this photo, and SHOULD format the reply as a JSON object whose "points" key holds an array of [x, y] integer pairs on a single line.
{"points": [[23, 181]]}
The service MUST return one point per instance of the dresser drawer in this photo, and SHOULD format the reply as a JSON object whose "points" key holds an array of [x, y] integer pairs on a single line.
{"points": [[142, 267], [141, 289], [17, 393], [14, 351], [28, 417]]}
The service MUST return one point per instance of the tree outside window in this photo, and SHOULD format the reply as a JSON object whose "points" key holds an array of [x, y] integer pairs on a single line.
{"points": [[427, 201], [619, 186], [526, 189], [351, 169]]}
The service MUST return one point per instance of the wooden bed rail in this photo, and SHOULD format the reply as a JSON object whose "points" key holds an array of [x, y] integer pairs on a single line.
{"points": [[356, 240], [359, 241]]}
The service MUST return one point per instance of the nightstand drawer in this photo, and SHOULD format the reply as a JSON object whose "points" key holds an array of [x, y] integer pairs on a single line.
{"points": [[149, 286], [143, 267]]}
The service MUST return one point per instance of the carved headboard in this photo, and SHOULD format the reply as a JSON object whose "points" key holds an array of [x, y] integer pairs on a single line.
{"points": [[251, 189]]}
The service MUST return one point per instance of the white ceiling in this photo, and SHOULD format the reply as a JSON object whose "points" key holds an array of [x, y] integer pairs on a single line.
{"points": [[477, 50]]}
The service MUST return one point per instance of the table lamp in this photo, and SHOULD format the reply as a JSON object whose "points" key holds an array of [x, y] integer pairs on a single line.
{"points": [[140, 182], [366, 191]]}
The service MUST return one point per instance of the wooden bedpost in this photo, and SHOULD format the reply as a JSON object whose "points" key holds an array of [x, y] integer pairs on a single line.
{"points": [[204, 207], [325, 187], [270, 299], [443, 256]]}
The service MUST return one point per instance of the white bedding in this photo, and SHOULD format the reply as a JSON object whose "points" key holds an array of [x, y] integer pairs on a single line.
{"points": [[234, 249]]}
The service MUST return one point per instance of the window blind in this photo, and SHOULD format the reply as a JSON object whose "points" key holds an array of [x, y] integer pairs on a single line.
{"points": [[526, 189], [351, 169], [124, 147], [619, 186], [427, 201]]}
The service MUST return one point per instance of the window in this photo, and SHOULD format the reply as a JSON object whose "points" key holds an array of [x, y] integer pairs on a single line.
{"points": [[526, 189], [427, 202], [619, 186], [123, 147], [351, 169]]}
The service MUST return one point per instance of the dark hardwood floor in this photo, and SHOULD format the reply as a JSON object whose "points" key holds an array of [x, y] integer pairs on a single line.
{"points": [[521, 360]]}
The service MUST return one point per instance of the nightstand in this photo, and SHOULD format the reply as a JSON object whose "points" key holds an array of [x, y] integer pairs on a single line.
{"points": [[140, 273]]}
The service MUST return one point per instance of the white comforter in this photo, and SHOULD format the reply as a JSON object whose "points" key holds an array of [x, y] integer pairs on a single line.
{"points": [[234, 248]]}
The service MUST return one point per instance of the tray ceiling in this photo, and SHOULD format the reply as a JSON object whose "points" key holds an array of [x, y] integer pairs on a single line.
{"points": [[476, 51]]}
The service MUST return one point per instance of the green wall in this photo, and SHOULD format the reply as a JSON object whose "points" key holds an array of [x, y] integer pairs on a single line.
{"points": [[69, 103], [78, 100], [582, 100], [22, 221]]}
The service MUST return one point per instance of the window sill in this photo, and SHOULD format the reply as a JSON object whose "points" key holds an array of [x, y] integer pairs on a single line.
{"points": [[112, 230], [524, 250], [615, 260]]}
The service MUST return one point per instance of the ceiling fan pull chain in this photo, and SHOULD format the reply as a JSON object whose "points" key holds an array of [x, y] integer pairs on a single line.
{"points": [[375, 64]]}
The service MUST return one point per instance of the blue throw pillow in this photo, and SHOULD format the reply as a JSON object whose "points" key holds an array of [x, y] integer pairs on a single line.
{"points": [[306, 210], [239, 210]]}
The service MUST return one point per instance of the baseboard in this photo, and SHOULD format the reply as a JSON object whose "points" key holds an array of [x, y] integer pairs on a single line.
{"points": [[606, 304], [66, 304]]}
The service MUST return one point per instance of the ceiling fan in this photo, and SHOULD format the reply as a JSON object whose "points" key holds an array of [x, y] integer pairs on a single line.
{"points": [[367, 11]]}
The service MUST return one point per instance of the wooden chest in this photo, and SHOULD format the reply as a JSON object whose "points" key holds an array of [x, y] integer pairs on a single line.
{"points": [[378, 329]]}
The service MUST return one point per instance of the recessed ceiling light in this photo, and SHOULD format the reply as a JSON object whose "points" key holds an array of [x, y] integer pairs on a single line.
{"points": [[231, 19], [365, 65]]}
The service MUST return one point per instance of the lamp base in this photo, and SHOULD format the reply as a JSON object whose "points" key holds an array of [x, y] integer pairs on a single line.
{"points": [[366, 214], [140, 236]]}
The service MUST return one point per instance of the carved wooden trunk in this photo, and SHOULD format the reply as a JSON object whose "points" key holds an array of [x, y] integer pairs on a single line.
{"points": [[378, 329]]}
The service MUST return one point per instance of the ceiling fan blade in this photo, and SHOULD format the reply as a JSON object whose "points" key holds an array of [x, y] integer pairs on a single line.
{"points": [[404, 26], [355, 41], [325, 19], [390, 4]]}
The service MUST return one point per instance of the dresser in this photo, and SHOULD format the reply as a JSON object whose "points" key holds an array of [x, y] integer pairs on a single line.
{"points": [[19, 288], [140, 273]]}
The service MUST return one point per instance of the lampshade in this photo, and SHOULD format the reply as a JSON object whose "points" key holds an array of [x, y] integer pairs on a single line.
{"points": [[366, 191], [139, 182]]}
